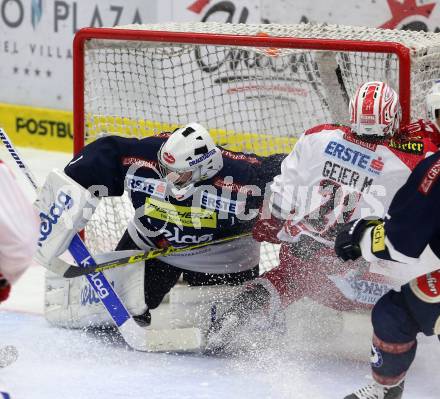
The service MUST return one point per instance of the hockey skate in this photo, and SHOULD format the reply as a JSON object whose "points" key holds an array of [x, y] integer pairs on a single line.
{"points": [[247, 321], [378, 391]]}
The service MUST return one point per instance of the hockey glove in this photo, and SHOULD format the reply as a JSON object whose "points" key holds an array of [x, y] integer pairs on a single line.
{"points": [[5, 288], [347, 241]]}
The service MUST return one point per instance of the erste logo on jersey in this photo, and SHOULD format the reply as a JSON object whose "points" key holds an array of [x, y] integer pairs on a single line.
{"points": [[155, 188], [216, 203], [354, 157]]}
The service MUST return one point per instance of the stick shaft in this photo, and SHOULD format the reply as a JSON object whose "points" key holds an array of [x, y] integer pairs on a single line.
{"points": [[74, 271]]}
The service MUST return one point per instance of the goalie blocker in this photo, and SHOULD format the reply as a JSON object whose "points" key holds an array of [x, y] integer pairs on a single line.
{"points": [[64, 207]]}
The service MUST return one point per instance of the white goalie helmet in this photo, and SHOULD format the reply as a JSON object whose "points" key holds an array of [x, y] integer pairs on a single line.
{"points": [[433, 104], [187, 157], [375, 110]]}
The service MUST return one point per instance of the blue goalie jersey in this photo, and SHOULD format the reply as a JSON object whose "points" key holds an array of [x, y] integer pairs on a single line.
{"points": [[223, 206]]}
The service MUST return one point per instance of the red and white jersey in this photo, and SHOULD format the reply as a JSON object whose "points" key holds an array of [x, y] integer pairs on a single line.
{"points": [[332, 177], [19, 227]]}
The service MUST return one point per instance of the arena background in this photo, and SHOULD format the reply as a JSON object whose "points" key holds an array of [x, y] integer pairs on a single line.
{"points": [[36, 45]]}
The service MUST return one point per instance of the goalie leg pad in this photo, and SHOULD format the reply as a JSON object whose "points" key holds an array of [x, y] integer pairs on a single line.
{"points": [[73, 303]]}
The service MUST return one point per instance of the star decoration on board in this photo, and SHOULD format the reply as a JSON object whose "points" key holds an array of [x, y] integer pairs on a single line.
{"points": [[407, 8]]}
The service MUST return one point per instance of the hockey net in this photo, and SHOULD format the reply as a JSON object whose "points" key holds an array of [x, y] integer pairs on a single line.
{"points": [[255, 87]]}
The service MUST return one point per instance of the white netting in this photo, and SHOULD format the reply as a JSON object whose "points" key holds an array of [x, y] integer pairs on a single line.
{"points": [[252, 99]]}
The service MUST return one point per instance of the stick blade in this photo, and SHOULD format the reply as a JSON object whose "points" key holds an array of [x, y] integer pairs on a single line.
{"points": [[167, 340]]}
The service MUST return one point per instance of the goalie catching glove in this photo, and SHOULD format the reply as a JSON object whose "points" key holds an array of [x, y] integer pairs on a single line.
{"points": [[64, 208], [347, 243]]}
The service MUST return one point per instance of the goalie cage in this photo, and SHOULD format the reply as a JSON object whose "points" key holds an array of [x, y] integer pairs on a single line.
{"points": [[256, 87]]}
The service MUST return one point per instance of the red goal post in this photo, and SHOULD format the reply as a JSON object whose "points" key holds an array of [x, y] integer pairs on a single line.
{"points": [[255, 87]]}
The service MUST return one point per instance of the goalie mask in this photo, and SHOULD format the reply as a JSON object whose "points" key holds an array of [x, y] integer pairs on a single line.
{"points": [[187, 157], [433, 104], [375, 111]]}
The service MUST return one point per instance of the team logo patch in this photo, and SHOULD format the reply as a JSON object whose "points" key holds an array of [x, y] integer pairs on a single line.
{"points": [[427, 287], [168, 158], [378, 239], [430, 178], [376, 358], [377, 164]]}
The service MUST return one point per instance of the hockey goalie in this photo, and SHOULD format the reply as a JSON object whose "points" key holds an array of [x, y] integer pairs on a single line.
{"points": [[334, 174], [184, 190]]}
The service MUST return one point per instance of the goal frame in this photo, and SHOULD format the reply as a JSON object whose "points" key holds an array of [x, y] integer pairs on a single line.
{"points": [[82, 36]]}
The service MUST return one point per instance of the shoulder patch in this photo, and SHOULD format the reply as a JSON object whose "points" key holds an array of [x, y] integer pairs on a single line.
{"points": [[327, 126], [234, 187], [239, 156], [430, 178], [142, 163]]}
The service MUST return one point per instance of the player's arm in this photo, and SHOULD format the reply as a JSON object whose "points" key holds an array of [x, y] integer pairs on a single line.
{"points": [[68, 199], [99, 165], [274, 213], [19, 227], [411, 224]]}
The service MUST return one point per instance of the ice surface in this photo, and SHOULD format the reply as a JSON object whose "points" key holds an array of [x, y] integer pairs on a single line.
{"points": [[57, 363], [64, 364]]}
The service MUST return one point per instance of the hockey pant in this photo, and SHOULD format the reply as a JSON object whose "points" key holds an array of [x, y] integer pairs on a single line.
{"points": [[311, 269], [160, 277], [397, 319]]}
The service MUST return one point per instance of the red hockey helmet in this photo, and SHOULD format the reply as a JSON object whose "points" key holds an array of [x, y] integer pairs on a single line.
{"points": [[375, 110]]}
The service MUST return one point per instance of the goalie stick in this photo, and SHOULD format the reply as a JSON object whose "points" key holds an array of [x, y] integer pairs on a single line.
{"points": [[135, 336], [70, 271]]}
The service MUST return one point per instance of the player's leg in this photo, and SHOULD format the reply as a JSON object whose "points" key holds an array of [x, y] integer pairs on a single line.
{"points": [[259, 305], [159, 278], [206, 279], [397, 319]]}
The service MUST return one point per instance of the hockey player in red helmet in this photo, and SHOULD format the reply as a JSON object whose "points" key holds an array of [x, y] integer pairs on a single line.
{"points": [[334, 174]]}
